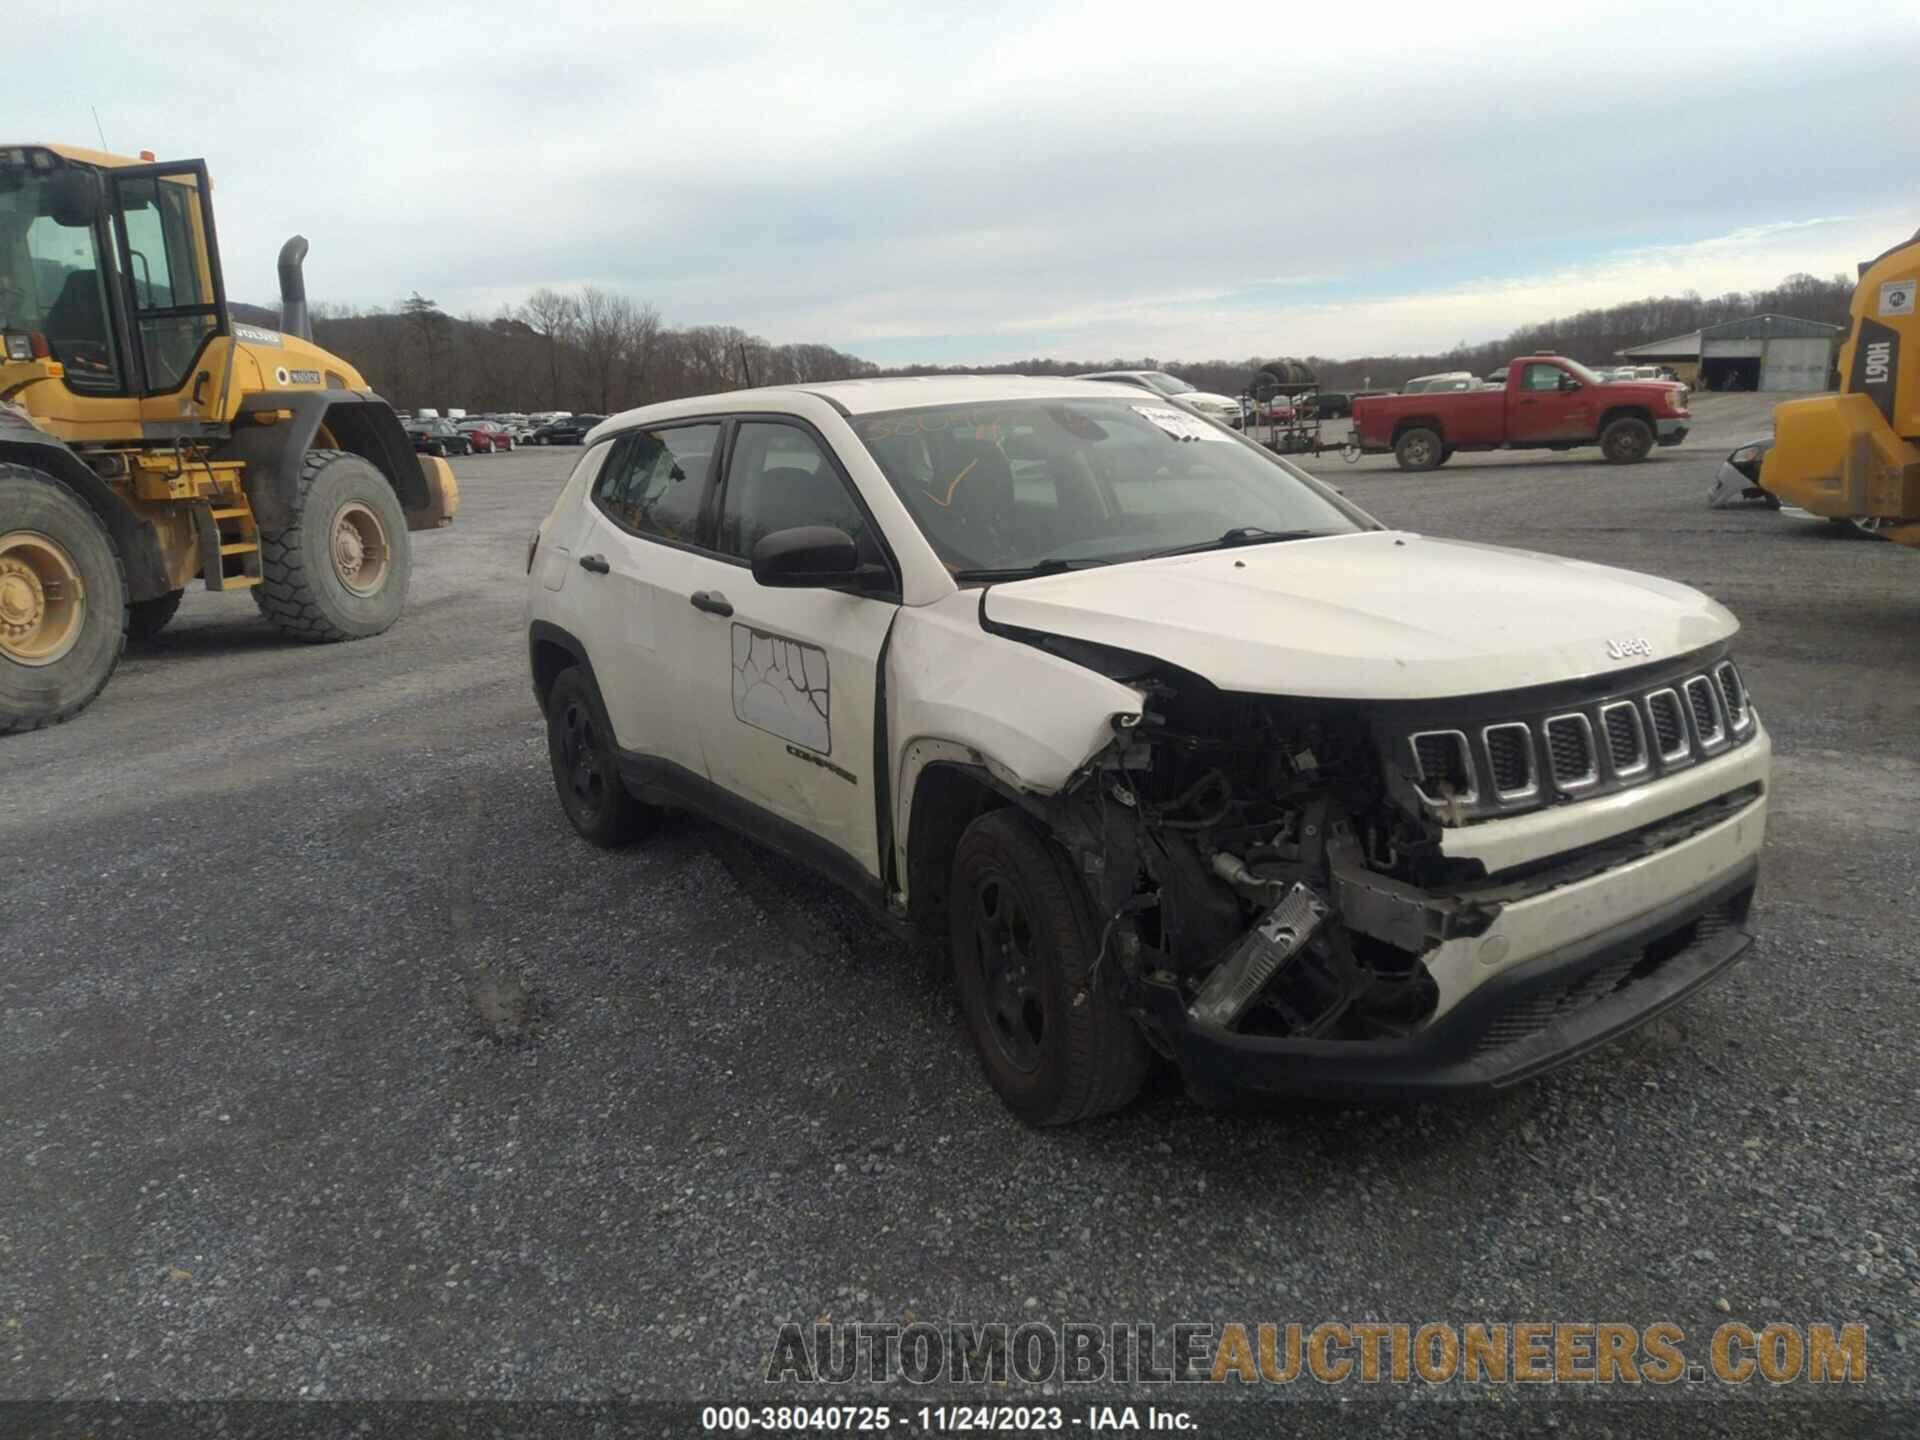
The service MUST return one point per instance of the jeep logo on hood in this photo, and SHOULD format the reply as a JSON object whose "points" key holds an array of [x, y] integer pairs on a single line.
{"points": [[1627, 649]]}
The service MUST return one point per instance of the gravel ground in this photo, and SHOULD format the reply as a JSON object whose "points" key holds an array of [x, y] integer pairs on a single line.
{"points": [[335, 1066]]}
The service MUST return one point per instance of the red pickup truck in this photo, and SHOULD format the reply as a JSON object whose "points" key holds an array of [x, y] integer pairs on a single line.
{"points": [[1548, 403]]}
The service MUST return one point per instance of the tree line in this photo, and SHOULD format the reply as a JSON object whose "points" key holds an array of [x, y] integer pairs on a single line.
{"points": [[589, 351], [598, 351]]}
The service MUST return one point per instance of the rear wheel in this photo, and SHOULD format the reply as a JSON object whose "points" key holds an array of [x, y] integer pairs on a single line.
{"points": [[147, 618], [1055, 1044], [1446, 453], [340, 570], [1626, 441], [586, 773], [63, 601], [1418, 449]]}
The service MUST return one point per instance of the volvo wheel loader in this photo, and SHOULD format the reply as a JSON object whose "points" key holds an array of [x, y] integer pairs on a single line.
{"points": [[147, 441], [1856, 455]]}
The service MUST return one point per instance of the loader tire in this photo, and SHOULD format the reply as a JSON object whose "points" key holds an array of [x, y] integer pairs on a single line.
{"points": [[147, 618], [1626, 441], [1418, 449], [63, 601], [339, 571]]}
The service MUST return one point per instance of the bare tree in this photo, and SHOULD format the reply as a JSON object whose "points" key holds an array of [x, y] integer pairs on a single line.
{"points": [[552, 316]]}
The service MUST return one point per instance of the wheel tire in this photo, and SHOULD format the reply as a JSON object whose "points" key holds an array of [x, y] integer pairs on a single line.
{"points": [[1418, 449], [306, 568], [586, 773], [147, 618], [48, 530], [1086, 1057], [1626, 441], [1446, 454]]}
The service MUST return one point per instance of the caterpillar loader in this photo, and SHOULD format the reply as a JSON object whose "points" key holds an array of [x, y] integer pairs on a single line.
{"points": [[147, 441], [1856, 455]]}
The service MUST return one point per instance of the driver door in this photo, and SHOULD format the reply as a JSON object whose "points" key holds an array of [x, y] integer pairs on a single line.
{"points": [[783, 682], [1551, 405], [176, 302]]}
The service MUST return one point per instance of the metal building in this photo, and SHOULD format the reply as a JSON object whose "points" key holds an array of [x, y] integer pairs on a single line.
{"points": [[1761, 352]]}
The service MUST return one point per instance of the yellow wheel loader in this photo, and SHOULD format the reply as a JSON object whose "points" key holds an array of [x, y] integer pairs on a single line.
{"points": [[147, 441], [1853, 456]]}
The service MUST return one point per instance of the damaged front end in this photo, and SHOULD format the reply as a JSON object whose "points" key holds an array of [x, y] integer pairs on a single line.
{"points": [[1278, 907]]}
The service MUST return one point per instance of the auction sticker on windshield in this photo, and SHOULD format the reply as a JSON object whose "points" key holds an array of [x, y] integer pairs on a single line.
{"points": [[1179, 424]]}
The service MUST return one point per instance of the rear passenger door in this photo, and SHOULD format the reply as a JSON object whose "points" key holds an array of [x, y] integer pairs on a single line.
{"points": [[640, 561], [785, 683]]}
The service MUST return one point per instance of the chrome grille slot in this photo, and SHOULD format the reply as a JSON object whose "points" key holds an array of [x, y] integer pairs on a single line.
{"points": [[1570, 746], [1444, 765], [1733, 692], [1626, 738], [1706, 711], [1669, 725], [1510, 755]]}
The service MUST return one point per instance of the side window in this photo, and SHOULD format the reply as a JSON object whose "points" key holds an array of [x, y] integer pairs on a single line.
{"points": [[655, 481], [780, 477], [1542, 377]]}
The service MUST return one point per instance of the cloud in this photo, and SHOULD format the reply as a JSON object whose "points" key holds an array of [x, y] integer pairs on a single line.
{"points": [[910, 181]]}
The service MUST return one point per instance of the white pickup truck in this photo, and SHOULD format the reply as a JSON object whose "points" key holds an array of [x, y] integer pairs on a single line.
{"points": [[1174, 750]]}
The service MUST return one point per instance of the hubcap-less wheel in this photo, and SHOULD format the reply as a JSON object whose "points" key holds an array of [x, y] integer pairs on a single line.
{"points": [[1010, 971], [1419, 451], [580, 756], [361, 556], [43, 605]]}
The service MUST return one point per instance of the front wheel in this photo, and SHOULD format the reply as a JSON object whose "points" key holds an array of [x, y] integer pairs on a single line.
{"points": [[63, 601], [339, 571], [1051, 1036], [1626, 441], [1418, 450]]}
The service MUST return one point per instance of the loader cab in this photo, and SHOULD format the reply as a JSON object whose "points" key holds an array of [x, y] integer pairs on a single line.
{"points": [[109, 273]]}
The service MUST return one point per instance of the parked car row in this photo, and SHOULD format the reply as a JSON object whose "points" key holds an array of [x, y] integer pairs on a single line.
{"points": [[462, 434]]}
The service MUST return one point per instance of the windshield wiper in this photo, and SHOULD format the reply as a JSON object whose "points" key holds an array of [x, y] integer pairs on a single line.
{"points": [[1050, 566], [1239, 535]]}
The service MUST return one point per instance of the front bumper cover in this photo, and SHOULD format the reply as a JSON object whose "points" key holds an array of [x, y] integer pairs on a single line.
{"points": [[1513, 1026], [1672, 432]]}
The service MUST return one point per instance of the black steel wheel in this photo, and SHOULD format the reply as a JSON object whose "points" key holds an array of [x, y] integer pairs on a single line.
{"points": [[1051, 1034], [586, 773]]}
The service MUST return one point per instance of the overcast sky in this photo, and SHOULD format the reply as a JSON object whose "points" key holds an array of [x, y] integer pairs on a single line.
{"points": [[968, 183]]}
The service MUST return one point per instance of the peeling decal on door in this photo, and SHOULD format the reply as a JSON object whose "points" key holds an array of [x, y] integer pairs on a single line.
{"points": [[780, 685]]}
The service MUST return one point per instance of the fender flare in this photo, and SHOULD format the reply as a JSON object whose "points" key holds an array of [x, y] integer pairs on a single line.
{"points": [[24, 443], [360, 422]]}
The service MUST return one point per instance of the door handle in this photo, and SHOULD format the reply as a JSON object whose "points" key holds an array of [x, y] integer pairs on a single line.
{"points": [[595, 563], [711, 601]]}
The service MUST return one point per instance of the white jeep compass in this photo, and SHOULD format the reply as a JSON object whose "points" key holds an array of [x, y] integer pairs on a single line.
{"points": [[1172, 748]]}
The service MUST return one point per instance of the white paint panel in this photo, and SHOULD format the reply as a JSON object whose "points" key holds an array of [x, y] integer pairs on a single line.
{"points": [[1732, 349]]}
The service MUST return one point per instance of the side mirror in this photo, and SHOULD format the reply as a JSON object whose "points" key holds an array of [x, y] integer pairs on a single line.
{"points": [[73, 198], [1568, 383], [814, 557]]}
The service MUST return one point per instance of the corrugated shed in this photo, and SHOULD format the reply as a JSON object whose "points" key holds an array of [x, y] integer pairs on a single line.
{"points": [[1763, 327]]}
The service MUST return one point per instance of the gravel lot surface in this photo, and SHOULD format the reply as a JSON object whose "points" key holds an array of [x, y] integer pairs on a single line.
{"points": [[335, 1066]]}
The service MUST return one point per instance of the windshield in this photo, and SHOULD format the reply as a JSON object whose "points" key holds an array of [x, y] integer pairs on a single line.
{"points": [[1167, 384], [1581, 372], [1013, 485]]}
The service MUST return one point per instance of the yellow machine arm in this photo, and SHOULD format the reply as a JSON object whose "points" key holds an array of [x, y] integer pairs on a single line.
{"points": [[1853, 454]]}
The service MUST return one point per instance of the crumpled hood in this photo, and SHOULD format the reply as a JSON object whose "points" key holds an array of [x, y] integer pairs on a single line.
{"points": [[1382, 615]]}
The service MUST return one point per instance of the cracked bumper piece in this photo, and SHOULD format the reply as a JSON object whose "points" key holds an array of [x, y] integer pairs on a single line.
{"points": [[1672, 432], [1684, 920]]}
